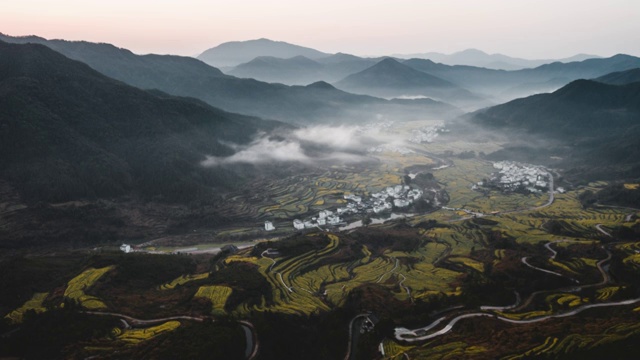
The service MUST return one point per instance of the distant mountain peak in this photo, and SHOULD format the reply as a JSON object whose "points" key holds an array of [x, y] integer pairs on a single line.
{"points": [[238, 52], [389, 63], [472, 52], [321, 85]]}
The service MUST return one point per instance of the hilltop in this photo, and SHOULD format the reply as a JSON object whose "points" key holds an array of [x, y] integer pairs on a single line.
{"points": [[238, 52]]}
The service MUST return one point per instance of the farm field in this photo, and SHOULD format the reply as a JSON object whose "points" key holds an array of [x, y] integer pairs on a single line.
{"points": [[529, 267], [77, 286], [34, 304]]}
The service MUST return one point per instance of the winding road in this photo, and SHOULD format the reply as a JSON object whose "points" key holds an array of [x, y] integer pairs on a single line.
{"points": [[599, 227], [353, 337], [524, 260], [251, 336], [421, 334], [403, 334]]}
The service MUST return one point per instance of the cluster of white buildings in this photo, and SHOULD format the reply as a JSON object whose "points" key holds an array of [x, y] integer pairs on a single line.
{"points": [[399, 196], [427, 134], [325, 217], [514, 175]]}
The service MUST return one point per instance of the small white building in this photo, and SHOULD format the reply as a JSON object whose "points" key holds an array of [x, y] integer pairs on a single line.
{"points": [[298, 224], [414, 194], [268, 225], [352, 197], [126, 248], [401, 203]]}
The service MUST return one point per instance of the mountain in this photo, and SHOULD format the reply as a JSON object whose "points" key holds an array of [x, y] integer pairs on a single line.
{"points": [[621, 77], [474, 57], [583, 107], [506, 85], [69, 132], [300, 70], [144, 71], [297, 70], [470, 77], [594, 127], [238, 52], [192, 78], [586, 69], [390, 78]]}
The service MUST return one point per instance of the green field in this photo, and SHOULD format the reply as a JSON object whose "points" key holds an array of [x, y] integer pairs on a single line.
{"points": [[218, 296], [77, 286], [34, 304]]}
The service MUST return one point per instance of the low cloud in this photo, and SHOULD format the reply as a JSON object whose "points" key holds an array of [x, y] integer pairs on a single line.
{"points": [[307, 145], [262, 150]]}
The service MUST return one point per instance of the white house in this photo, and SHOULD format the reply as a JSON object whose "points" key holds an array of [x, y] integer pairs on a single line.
{"points": [[268, 225], [352, 197], [126, 248], [401, 203], [298, 224]]}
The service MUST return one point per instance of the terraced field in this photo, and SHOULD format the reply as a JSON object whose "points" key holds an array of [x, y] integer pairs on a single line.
{"points": [[33, 304], [218, 296], [182, 280], [77, 286], [135, 336]]}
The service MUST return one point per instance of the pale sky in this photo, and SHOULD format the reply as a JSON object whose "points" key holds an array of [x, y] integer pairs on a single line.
{"points": [[523, 28]]}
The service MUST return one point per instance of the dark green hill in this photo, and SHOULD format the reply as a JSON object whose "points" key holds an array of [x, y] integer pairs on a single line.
{"points": [[69, 132], [594, 128], [182, 76], [621, 77], [581, 108]]}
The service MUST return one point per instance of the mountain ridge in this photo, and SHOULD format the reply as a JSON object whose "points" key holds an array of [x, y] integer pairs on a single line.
{"points": [[294, 104], [390, 78], [233, 53], [495, 61], [70, 132]]}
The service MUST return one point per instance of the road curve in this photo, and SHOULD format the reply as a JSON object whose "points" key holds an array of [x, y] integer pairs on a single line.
{"points": [[251, 353], [606, 233], [402, 334], [350, 342], [524, 261], [605, 280]]}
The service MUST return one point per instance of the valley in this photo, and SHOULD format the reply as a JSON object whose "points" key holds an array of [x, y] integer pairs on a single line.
{"points": [[461, 255], [259, 199]]}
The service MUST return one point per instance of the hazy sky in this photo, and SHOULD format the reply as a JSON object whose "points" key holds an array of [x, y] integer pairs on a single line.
{"points": [[525, 28]]}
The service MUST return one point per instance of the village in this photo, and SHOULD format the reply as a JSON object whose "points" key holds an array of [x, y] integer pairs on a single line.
{"points": [[427, 134], [392, 197], [516, 177]]}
